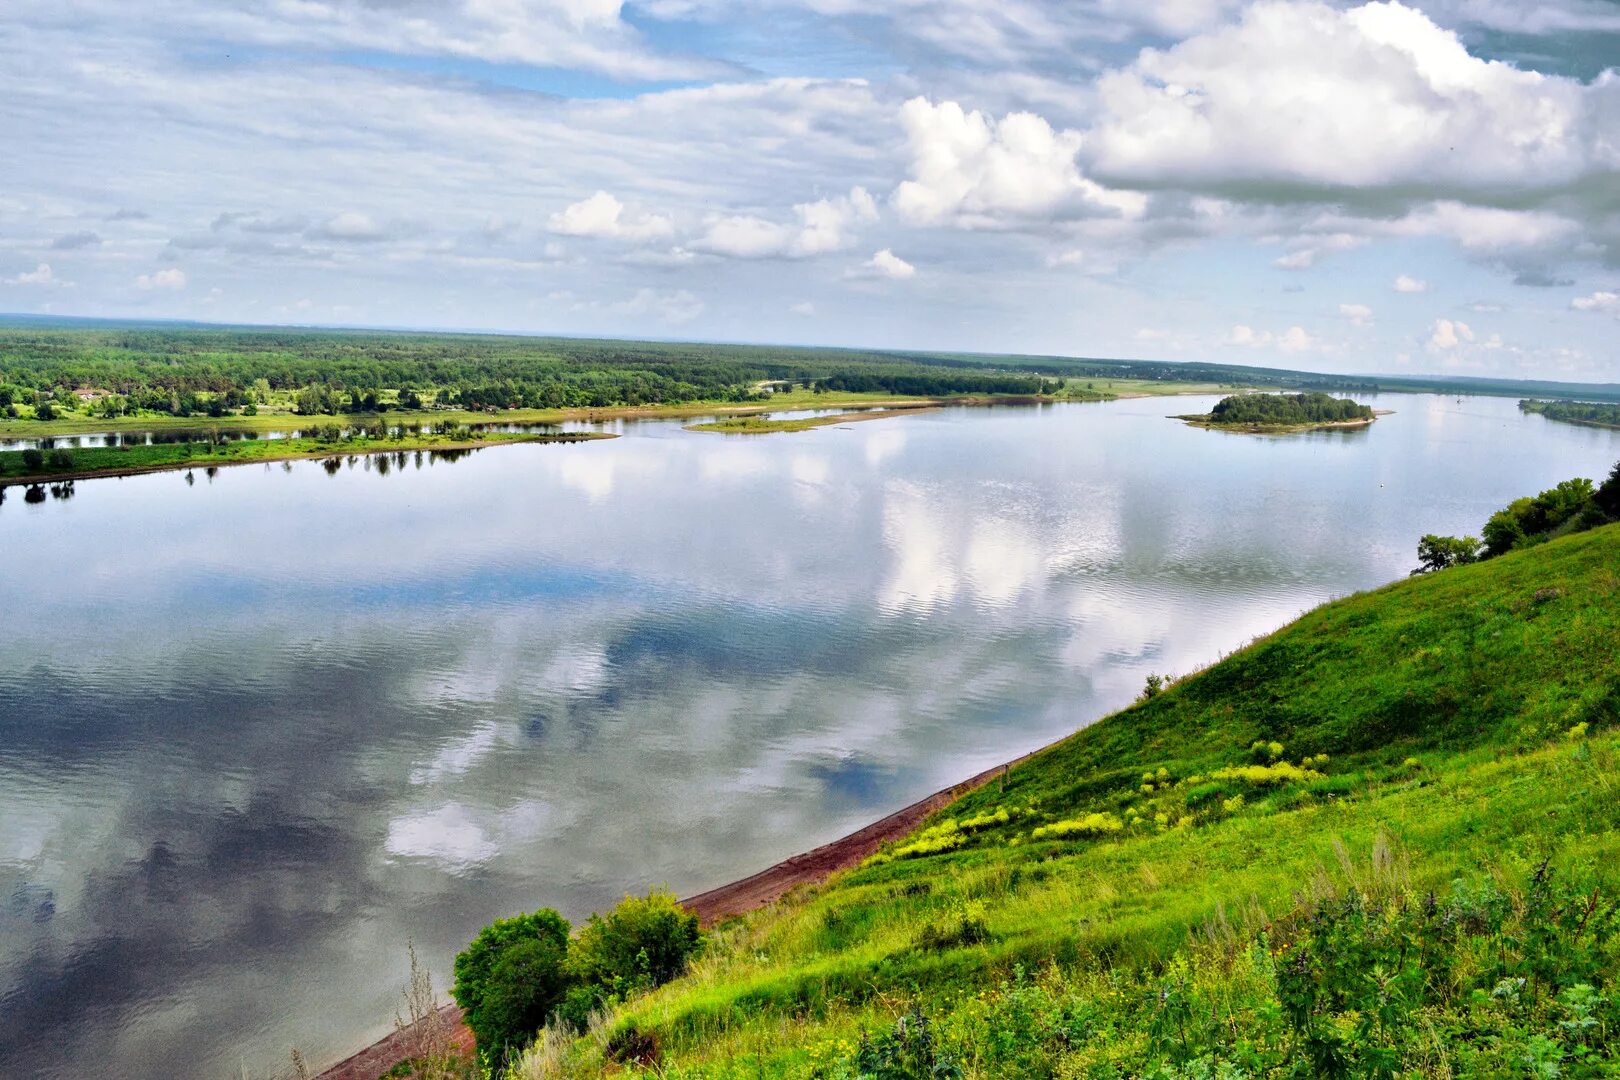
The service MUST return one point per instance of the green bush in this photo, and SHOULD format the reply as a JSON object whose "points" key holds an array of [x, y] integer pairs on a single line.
{"points": [[33, 460], [643, 941], [510, 978]]}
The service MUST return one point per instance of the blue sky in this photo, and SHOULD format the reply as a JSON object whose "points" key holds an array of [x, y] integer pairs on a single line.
{"points": [[1370, 187]]}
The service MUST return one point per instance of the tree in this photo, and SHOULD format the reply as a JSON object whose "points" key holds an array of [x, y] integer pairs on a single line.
{"points": [[1607, 497], [510, 978], [642, 941], [1443, 552], [44, 411]]}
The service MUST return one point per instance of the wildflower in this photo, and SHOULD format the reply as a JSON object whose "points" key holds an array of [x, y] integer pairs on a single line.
{"points": [[1233, 805]]}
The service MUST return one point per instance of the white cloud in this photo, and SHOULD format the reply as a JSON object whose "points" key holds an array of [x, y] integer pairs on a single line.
{"points": [[1449, 335], [586, 35], [1359, 314], [1293, 340], [803, 307], [41, 275], [1374, 98], [971, 170], [1599, 301], [1296, 340], [885, 264], [1245, 337], [603, 215], [1405, 284], [1308, 249], [172, 279], [823, 226]]}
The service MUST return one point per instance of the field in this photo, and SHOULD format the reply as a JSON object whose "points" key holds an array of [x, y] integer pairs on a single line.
{"points": [[1380, 841]]}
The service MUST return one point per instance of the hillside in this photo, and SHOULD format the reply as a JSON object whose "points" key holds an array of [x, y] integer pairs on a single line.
{"points": [[1381, 841]]}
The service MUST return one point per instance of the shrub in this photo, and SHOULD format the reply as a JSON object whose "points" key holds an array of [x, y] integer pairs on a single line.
{"points": [[643, 941], [963, 925], [510, 977], [61, 459], [1090, 825], [33, 460]]}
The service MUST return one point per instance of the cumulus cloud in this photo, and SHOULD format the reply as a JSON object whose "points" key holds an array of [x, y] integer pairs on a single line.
{"points": [[1602, 300], [1359, 314], [1301, 99], [885, 264], [172, 279], [1447, 334], [1407, 284], [971, 170], [41, 275], [603, 215], [821, 226], [1293, 340]]}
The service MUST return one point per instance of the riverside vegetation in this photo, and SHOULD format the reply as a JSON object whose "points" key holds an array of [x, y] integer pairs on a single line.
{"points": [[1379, 842], [1597, 414], [330, 441], [1283, 412]]}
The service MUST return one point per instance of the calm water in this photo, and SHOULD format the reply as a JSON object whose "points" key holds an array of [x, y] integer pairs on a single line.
{"points": [[258, 732]]}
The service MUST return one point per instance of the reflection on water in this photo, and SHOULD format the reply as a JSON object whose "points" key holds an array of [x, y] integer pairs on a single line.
{"points": [[258, 732]]}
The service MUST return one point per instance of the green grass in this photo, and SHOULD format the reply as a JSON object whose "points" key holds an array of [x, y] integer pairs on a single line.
{"points": [[129, 460], [1381, 841]]}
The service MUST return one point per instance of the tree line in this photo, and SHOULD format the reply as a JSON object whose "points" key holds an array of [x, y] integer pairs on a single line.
{"points": [[1307, 408], [1579, 412], [1570, 507]]}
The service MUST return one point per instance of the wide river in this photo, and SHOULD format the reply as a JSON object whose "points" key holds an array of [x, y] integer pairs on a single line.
{"points": [[259, 731]]}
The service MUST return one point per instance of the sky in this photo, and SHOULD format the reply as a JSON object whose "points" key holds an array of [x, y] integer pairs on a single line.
{"points": [[1381, 187]]}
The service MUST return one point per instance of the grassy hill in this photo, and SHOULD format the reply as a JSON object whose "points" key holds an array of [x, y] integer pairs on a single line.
{"points": [[1381, 841]]}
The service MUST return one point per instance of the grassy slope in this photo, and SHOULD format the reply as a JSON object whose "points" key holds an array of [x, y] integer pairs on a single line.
{"points": [[1443, 703]]}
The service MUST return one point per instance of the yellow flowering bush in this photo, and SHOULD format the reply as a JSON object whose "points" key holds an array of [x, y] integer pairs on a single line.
{"points": [[1090, 825]]}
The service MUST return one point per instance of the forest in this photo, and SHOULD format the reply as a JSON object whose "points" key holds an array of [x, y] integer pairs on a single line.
{"points": [[1287, 409], [52, 367]]}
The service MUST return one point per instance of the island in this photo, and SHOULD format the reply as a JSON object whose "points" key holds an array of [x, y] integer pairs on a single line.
{"points": [[1271, 414]]}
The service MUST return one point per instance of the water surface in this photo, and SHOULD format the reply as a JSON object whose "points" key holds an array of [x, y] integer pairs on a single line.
{"points": [[259, 730]]}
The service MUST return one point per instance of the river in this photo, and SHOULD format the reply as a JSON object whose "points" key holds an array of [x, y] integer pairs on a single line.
{"points": [[260, 730]]}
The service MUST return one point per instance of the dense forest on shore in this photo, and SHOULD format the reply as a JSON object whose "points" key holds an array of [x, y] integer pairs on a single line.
{"points": [[51, 368], [1575, 412]]}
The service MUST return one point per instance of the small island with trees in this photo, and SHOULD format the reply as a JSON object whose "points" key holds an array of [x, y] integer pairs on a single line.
{"points": [[1269, 414]]}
